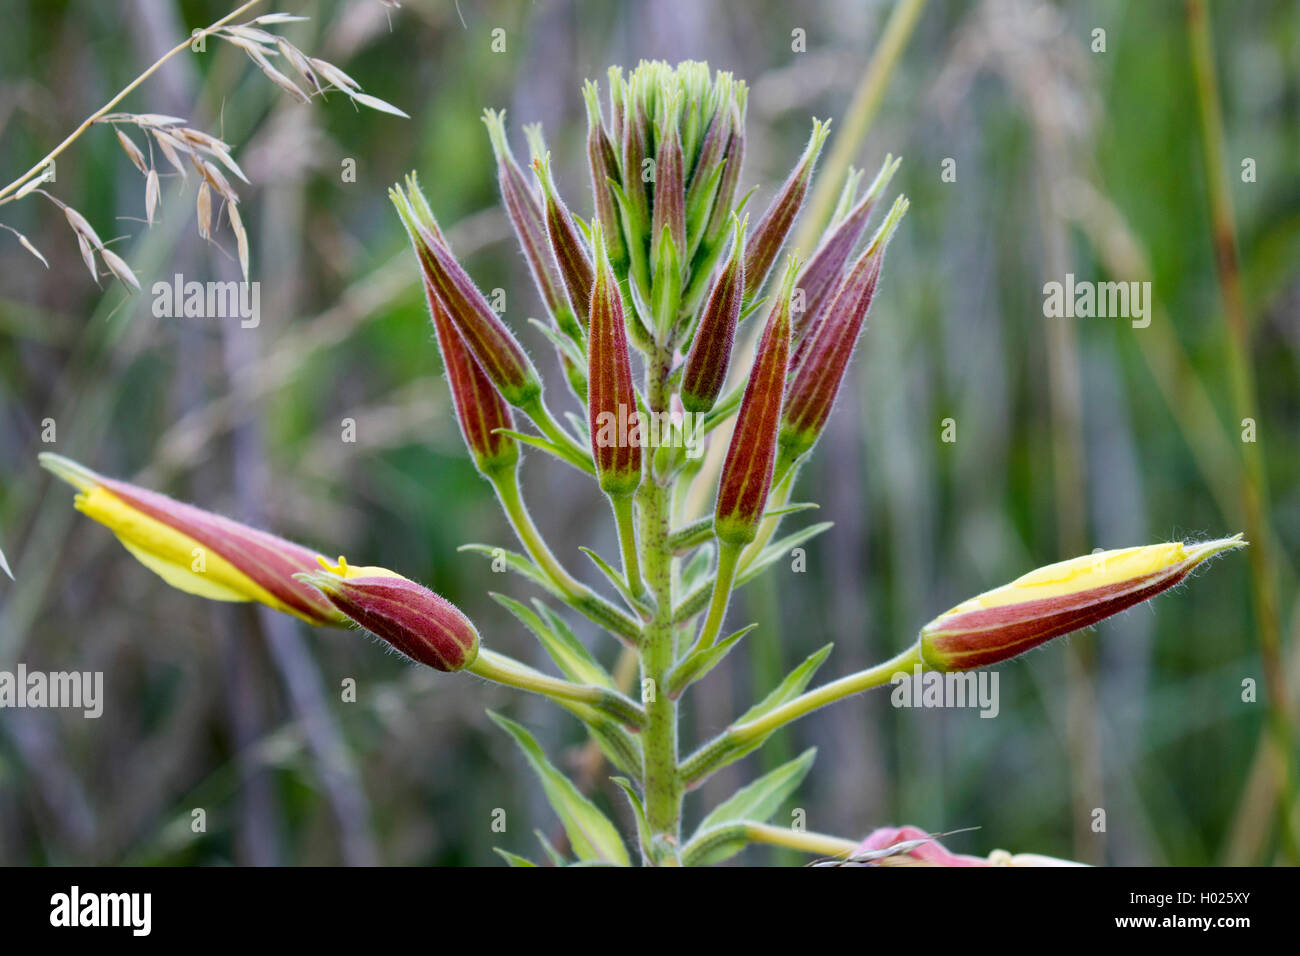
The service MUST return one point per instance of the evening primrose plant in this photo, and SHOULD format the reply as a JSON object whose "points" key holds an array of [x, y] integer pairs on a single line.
{"points": [[644, 302]]}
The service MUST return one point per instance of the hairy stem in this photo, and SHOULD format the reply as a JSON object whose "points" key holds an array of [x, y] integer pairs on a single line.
{"points": [[741, 738], [506, 670], [819, 843], [663, 790], [506, 483], [836, 690], [564, 444], [625, 520], [569, 589], [723, 578]]}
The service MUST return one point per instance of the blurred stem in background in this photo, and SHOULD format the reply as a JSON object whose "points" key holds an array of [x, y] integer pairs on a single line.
{"points": [[1253, 481], [1070, 486], [857, 121]]}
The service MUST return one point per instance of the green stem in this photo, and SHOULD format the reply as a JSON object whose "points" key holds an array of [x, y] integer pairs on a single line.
{"points": [[663, 789], [506, 670], [741, 738], [819, 843], [723, 578], [746, 831], [506, 483], [778, 499], [564, 444], [625, 520], [836, 690], [569, 589]]}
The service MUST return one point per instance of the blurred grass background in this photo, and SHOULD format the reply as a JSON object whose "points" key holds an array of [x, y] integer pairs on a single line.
{"points": [[1088, 432]]}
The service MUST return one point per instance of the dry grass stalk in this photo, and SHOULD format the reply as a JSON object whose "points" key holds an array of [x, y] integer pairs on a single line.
{"points": [[178, 142]]}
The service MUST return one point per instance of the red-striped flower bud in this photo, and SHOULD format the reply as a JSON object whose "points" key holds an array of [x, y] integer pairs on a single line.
{"points": [[480, 409], [567, 244], [769, 235], [747, 471], [611, 400], [670, 182], [710, 355], [495, 348], [602, 161], [821, 276], [525, 213], [636, 188], [408, 616], [1056, 600], [733, 158], [706, 169], [819, 368]]}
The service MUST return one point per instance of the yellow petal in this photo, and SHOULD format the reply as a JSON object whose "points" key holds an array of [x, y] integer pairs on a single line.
{"points": [[1098, 570], [177, 558]]}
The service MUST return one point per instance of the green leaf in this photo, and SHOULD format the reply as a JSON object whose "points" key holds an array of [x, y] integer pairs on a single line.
{"points": [[591, 835], [760, 799], [790, 688], [514, 859], [570, 640], [715, 843], [514, 561], [620, 747], [638, 811], [616, 579], [554, 855], [563, 343], [548, 446], [774, 552], [791, 509], [573, 660], [701, 661]]}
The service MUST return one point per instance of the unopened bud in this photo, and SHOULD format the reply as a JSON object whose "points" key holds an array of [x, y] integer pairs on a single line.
{"points": [[710, 355], [747, 471], [611, 398], [408, 616], [1056, 600]]}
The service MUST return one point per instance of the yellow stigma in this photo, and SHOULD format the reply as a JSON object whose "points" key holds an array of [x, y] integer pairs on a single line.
{"points": [[343, 570], [1101, 569]]}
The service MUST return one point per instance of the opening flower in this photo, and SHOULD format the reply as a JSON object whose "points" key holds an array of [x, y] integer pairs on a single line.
{"points": [[197, 551]]}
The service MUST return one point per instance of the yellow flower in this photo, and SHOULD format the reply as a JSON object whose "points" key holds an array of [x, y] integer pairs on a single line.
{"points": [[196, 551], [1056, 600]]}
